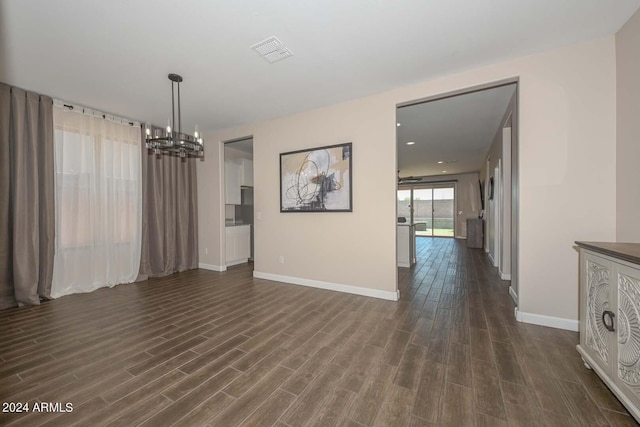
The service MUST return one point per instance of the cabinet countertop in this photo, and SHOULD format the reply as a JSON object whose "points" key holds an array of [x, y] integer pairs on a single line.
{"points": [[626, 251]]}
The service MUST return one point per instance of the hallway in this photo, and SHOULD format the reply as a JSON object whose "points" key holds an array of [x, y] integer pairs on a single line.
{"points": [[497, 369]]}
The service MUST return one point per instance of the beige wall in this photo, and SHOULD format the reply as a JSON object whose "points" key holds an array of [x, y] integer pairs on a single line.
{"points": [[628, 131], [340, 248], [567, 155]]}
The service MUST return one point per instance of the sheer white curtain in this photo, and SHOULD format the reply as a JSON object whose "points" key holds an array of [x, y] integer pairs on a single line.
{"points": [[98, 201]]}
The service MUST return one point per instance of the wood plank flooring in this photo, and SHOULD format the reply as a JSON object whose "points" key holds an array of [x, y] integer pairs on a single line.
{"points": [[225, 349]]}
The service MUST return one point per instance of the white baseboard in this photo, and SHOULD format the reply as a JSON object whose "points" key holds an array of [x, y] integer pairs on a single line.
{"points": [[392, 296], [403, 264], [491, 259], [212, 267], [514, 295], [554, 322], [461, 237], [505, 276]]}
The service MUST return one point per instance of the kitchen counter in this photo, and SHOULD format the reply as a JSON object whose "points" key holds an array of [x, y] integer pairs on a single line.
{"points": [[406, 244]]}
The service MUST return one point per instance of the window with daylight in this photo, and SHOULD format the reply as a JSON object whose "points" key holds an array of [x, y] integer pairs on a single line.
{"points": [[98, 202]]}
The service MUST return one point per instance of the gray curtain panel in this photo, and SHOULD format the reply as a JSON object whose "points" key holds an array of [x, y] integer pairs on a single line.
{"points": [[27, 209], [169, 214]]}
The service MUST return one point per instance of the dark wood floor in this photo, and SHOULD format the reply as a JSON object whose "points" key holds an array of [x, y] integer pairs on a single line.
{"points": [[224, 349]]}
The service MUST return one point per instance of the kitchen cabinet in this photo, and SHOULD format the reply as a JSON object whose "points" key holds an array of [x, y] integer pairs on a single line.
{"points": [[232, 183], [238, 244], [610, 317], [406, 244], [246, 173], [475, 235]]}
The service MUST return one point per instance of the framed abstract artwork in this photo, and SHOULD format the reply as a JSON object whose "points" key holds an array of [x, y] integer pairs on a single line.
{"points": [[316, 179]]}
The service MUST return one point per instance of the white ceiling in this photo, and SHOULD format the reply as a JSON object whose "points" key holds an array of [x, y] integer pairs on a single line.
{"points": [[115, 55], [457, 131]]}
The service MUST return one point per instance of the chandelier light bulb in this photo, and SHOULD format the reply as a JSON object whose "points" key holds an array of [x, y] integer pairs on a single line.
{"points": [[174, 141]]}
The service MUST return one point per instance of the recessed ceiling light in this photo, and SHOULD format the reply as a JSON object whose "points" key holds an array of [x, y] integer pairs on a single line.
{"points": [[440, 162], [444, 171], [410, 142], [398, 124]]}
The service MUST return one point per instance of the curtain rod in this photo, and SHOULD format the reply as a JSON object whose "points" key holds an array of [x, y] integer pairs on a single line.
{"points": [[95, 113]]}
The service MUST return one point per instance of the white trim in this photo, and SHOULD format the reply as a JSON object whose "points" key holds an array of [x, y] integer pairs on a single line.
{"points": [[514, 295], [403, 264], [493, 263], [505, 276], [461, 237], [212, 267], [392, 296], [554, 322]]}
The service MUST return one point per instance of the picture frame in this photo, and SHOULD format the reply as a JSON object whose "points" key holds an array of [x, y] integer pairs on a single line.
{"points": [[317, 179]]}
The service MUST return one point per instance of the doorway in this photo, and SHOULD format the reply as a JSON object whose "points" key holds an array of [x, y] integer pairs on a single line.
{"points": [[238, 198], [469, 137]]}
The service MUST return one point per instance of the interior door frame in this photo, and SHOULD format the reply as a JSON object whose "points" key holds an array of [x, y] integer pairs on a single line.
{"points": [[515, 156], [223, 228]]}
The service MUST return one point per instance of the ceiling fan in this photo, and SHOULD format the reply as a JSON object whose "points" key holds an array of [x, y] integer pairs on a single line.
{"points": [[409, 180]]}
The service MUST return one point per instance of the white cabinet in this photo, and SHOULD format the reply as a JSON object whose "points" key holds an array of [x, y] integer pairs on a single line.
{"points": [[232, 183], [238, 244], [406, 244], [235, 176], [595, 339], [246, 172], [610, 317]]}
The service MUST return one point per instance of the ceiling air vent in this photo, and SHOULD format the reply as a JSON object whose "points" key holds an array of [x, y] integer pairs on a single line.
{"points": [[272, 49]]}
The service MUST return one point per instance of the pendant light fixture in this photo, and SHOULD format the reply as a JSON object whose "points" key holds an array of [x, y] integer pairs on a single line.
{"points": [[171, 139]]}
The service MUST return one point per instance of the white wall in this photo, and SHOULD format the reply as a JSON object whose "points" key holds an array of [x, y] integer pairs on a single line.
{"points": [[505, 264], [497, 152], [234, 155], [567, 156], [628, 130]]}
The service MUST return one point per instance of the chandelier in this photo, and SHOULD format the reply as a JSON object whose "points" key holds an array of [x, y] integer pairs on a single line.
{"points": [[172, 140]]}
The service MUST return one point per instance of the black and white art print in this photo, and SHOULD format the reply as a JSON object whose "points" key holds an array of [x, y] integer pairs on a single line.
{"points": [[316, 180]]}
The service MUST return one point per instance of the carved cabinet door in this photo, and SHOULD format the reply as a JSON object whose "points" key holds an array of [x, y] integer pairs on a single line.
{"points": [[597, 338], [628, 331]]}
